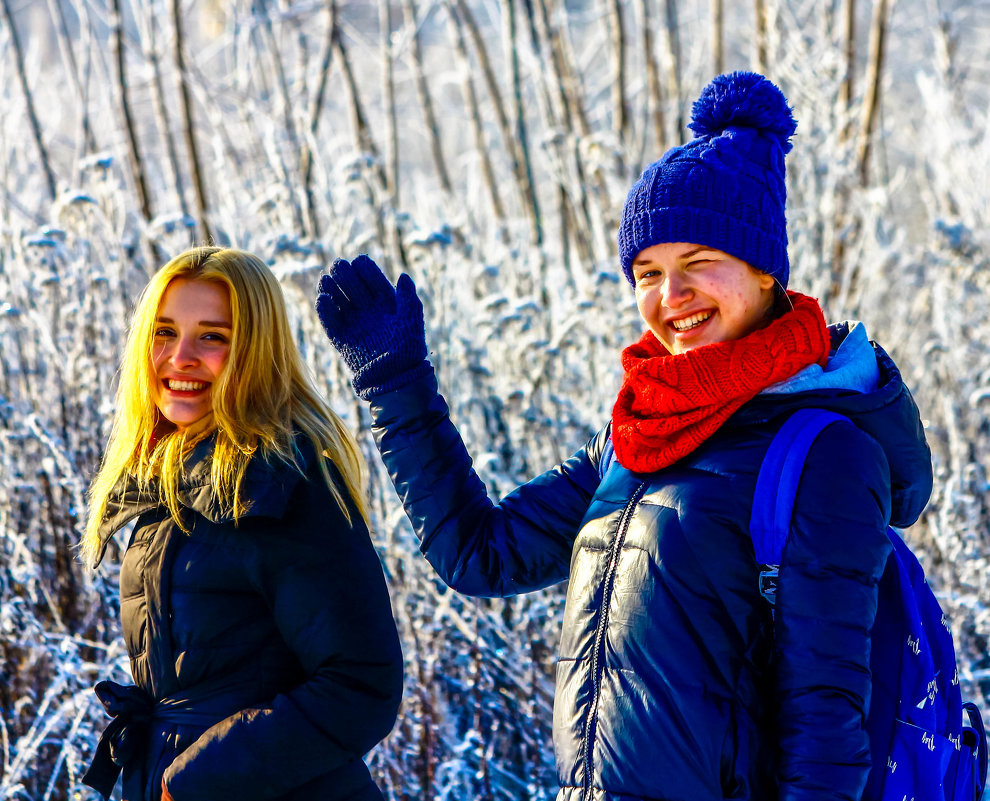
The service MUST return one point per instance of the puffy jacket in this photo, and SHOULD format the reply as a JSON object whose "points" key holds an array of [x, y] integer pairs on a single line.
{"points": [[265, 652], [673, 680]]}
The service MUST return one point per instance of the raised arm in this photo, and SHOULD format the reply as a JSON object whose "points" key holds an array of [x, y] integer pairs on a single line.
{"points": [[477, 547]]}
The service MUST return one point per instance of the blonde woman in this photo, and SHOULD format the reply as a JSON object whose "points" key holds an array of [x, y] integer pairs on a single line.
{"points": [[264, 654]]}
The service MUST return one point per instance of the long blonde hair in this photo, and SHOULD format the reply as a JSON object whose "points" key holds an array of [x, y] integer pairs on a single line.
{"points": [[262, 399]]}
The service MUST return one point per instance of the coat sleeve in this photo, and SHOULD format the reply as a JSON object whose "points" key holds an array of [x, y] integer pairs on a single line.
{"points": [[826, 604], [478, 547], [323, 582]]}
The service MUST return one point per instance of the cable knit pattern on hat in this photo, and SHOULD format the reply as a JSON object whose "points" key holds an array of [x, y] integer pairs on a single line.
{"points": [[724, 189], [669, 404]]}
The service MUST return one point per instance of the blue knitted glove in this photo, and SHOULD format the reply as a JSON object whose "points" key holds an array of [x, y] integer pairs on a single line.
{"points": [[377, 330]]}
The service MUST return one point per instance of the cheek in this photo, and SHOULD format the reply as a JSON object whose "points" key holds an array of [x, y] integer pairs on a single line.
{"points": [[158, 357], [218, 361], [646, 303]]}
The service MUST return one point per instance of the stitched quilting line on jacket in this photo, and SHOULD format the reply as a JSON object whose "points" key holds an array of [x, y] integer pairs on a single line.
{"points": [[597, 657]]}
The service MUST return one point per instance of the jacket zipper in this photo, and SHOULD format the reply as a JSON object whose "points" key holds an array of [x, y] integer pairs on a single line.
{"points": [[598, 654]]}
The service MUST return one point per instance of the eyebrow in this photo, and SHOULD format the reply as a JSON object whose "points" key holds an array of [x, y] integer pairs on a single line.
{"points": [[204, 323], [685, 255]]}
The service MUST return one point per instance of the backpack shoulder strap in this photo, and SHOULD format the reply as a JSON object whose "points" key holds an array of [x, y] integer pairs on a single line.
{"points": [[777, 482]]}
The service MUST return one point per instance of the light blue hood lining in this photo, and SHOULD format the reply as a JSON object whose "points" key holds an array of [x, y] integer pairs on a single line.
{"points": [[852, 365]]}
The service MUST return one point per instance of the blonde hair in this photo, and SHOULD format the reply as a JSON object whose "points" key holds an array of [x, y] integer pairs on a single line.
{"points": [[261, 400]]}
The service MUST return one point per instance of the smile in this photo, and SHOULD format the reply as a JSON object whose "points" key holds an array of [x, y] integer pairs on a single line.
{"points": [[690, 322], [185, 386]]}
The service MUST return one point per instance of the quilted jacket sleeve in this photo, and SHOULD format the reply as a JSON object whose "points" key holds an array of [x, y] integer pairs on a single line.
{"points": [[323, 582], [478, 547], [826, 604]]}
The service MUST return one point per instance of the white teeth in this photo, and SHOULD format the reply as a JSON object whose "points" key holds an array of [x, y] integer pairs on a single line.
{"points": [[691, 322], [185, 386]]}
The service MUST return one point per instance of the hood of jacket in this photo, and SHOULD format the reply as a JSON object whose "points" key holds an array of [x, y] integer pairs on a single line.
{"points": [[861, 382], [265, 491]]}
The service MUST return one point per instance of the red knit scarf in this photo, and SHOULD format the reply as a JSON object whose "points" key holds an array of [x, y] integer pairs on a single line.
{"points": [[669, 404]]}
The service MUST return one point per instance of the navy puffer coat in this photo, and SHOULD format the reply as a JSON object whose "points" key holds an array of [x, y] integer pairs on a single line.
{"points": [[266, 650], [673, 681]]}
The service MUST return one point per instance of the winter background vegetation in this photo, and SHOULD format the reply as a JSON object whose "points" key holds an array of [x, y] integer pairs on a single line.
{"points": [[485, 147]]}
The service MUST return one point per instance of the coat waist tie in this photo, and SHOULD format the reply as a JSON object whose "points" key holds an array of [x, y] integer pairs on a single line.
{"points": [[133, 711]]}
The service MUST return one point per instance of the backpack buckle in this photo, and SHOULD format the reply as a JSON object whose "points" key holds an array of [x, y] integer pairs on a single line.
{"points": [[768, 583]]}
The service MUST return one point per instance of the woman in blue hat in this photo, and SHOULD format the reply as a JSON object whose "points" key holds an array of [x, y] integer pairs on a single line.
{"points": [[674, 679]]}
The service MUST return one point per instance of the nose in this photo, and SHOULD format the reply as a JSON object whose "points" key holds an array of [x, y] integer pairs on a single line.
{"points": [[676, 290], [184, 353]]}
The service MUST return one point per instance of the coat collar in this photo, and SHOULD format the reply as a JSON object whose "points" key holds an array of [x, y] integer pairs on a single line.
{"points": [[888, 414], [265, 491]]}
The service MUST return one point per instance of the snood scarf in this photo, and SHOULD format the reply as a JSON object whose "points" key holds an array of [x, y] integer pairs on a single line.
{"points": [[669, 404]]}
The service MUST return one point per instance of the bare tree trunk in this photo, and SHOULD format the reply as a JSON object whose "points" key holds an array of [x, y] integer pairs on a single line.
{"points": [[654, 89], [185, 109], [388, 91], [761, 36], [72, 69], [565, 71], [718, 36], [161, 113], [362, 132], [519, 119], [471, 100], [673, 46], [425, 99], [619, 104], [315, 112], [29, 100], [512, 146], [133, 150], [874, 81], [576, 190], [846, 87], [290, 124], [393, 182], [845, 124]]}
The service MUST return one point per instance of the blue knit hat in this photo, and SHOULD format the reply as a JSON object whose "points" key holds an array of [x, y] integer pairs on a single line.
{"points": [[724, 189]]}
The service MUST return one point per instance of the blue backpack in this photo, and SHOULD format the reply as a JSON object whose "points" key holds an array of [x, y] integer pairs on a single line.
{"points": [[916, 711]]}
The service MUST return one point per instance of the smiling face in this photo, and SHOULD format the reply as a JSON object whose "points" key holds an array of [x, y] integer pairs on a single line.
{"points": [[191, 346], [691, 295]]}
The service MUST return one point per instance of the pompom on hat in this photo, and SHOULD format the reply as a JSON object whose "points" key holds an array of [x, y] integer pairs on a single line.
{"points": [[724, 189]]}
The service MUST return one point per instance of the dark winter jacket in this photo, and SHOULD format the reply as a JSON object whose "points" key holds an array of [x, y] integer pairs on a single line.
{"points": [[266, 649], [673, 681]]}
